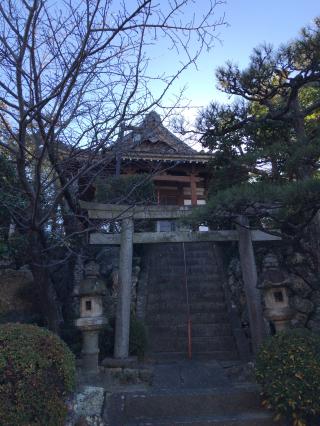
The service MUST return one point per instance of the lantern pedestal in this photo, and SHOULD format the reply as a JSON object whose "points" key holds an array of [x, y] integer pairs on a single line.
{"points": [[91, 321], [90, 328]]}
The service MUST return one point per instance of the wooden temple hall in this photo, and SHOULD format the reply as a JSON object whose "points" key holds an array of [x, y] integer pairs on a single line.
{"points": [[179, 172], [181, 294]]}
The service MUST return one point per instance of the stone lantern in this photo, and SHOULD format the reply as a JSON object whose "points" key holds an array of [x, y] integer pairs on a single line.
{"points": [[91, 321], [274, 285]]}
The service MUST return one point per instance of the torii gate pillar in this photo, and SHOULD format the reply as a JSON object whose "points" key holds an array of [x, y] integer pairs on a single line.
{"points": [[249, 275], [121, 345]]}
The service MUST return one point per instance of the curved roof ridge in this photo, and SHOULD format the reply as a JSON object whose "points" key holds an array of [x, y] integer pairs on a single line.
{"points": [[153, 132]]}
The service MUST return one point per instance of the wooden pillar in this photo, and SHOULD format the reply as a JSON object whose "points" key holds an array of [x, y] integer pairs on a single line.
{"points": [[193, 186], [249, 275], [121, 345]]}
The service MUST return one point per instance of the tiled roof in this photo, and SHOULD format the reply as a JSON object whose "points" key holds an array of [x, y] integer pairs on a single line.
{"points": [[152, 137]]}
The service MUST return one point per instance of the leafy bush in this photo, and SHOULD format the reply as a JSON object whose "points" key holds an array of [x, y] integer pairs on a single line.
{"points": [[137, 339], [36, 374], [106, 339], [288, 368], [72, 336]]}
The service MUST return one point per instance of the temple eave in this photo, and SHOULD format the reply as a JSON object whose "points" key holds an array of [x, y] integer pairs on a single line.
{"points": [[163, 157]]}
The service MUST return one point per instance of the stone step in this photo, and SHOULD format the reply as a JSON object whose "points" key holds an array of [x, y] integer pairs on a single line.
{"points": [[218, 355], [167, 319], [253, 418], [197, 330], [194, 296], [193, 246], [176, 282], [181, 306], [210, 318], [193, 259], [204, 344], [148, 408], [199, 344], [211, 330], [177, 278], [200, 356], [167, 310], [209, 306], [205, 291], [191, 268], [204, 280]]}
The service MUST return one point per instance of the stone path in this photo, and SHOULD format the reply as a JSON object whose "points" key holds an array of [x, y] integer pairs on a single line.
{"points": [[188, 393], [182, 393], [189, 375]]}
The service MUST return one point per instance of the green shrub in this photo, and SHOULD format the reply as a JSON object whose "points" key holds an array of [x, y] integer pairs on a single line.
{"points": [[37, 373], [106, 339], [137, 339], [72, 336], [288, 368]]}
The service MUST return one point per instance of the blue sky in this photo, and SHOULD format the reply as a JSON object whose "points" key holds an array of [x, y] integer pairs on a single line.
{"points": [[251, 22]]}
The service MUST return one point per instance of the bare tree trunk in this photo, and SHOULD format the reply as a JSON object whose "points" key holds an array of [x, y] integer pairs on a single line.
{"points": [[48, 301]]}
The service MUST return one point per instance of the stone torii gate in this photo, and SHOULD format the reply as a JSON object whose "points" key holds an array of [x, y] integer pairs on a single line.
{"points": [[127, 214]]}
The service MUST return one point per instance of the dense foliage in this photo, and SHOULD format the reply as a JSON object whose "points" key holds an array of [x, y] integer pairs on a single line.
{"points": [[288, 368], [36, 375], [137, 339], [268, 140], [126, 190]]}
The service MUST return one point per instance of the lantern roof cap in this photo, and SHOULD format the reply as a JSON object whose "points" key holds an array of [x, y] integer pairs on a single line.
{"points": [[92, 284]]}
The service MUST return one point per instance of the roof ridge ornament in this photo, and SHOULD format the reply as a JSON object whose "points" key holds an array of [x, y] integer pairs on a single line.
{"points": [[152, 120]]}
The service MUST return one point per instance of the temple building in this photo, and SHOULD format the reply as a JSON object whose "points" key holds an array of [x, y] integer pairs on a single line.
{"points": [[179, 172]]}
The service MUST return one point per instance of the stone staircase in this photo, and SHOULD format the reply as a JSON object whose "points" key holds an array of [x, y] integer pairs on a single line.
{"points": [[167, 310], [207, 407]]}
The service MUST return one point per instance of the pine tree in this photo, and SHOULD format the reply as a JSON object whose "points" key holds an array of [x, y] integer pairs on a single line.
{"points": [[267, 144]]}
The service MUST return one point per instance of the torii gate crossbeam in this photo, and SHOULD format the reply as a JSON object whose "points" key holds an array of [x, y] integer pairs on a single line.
{"points": [[126, 214]]}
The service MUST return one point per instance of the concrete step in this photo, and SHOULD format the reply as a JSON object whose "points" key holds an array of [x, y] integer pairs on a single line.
{"points": [[253, 418], [237, 405]]}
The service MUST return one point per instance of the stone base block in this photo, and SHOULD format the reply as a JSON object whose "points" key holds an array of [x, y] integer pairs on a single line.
{"points": [[129, 362]]}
